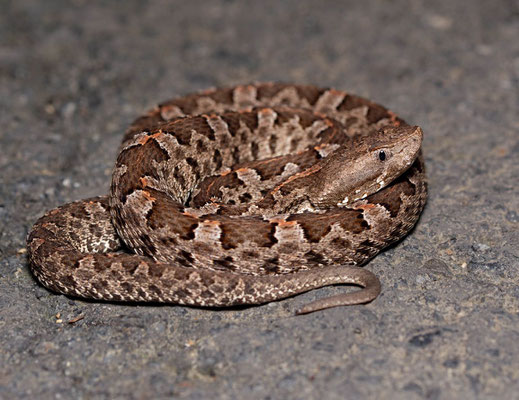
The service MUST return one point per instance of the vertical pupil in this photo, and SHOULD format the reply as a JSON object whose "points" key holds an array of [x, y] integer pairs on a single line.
{"points": [[382, 155]]}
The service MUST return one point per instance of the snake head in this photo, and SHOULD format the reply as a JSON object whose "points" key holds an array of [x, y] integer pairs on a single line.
{"points": [[366, 165]]}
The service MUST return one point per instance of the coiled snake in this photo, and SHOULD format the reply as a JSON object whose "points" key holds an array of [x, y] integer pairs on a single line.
{"points": [[238, 196]]}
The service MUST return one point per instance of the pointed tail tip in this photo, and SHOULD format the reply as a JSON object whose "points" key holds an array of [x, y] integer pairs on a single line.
{"points": [[371, 288]]}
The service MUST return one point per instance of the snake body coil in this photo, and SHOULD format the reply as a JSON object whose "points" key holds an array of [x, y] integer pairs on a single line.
{"points": [[241, 196]]}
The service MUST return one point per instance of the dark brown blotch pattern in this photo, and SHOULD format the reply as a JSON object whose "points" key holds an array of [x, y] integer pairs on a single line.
{"points": [[116, 275]]}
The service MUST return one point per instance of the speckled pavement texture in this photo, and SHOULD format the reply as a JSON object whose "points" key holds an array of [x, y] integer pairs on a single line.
{"points": [[74, 74]]}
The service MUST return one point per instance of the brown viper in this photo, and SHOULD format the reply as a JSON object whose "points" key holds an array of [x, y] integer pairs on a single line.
{"points": [[242, 195]]}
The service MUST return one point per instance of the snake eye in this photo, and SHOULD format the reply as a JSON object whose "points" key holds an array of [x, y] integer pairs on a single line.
{"points": [[381, 155]]}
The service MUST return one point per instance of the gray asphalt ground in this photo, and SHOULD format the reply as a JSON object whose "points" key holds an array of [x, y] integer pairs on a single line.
{"points": [[74, 74]]}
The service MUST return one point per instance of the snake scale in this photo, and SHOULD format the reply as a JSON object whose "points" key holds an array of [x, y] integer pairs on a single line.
{"points": [[241, 195]]}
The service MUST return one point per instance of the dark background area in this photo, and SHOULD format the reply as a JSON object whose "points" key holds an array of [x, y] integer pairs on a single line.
{"points": [[74, 74]]}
